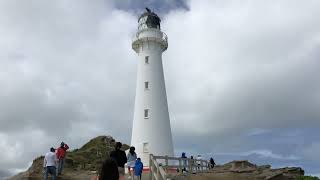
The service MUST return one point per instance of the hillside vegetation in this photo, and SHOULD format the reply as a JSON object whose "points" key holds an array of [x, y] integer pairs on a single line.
{"points": [[82, 162]]}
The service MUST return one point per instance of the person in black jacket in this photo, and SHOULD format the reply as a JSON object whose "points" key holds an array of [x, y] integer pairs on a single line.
{"points": [[212, 163], [120, 157]]}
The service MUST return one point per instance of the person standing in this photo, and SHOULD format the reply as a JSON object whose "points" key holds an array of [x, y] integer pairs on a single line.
{"points": [[49, 163], [192, 163], [212, 163], [120, 157], [132, 156], [184, 161], [138, 168], [109, 171], [199, 158], [61, 155]]}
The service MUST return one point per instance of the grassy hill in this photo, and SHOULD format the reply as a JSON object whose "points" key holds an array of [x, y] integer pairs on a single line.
{"points": [[81, 163]]}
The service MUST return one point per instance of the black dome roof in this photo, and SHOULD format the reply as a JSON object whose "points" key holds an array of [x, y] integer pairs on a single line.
{"points": [[153, 20]]}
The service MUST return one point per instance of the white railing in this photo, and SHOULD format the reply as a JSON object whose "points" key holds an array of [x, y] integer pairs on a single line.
{"points": [[161, 169], [150, 34]]}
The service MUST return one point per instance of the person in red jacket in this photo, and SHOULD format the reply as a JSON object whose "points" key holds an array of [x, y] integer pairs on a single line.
{"points": [[61, 154]]}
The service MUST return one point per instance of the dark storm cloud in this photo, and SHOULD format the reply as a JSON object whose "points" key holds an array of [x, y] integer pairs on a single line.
{"points": [[159, 6]]}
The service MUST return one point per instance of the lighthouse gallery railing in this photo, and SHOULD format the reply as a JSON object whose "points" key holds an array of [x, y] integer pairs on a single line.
{"points": [[158, 36]]}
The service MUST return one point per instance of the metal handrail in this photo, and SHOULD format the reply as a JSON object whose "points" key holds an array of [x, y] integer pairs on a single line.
{"points": [[161, 172]]}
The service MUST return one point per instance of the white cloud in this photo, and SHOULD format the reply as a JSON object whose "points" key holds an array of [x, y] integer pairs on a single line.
{"points": [[262, 153], [237, 65], [67, 71], [11, 150], [257, 131], [63, 75]]}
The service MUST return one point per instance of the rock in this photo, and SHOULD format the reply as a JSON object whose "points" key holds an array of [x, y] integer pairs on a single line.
{"points": [[264, 167], [244, 170], [275, 176]]}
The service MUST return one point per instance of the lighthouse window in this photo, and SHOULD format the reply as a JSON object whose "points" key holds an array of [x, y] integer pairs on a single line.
{"points": [[146, 113], [146, 85], [145, 147], [146, 60]]}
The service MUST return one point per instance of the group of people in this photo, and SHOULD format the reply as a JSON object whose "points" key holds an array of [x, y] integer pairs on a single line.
{"points": [[113, 167], [198, 164], [54, 160]]}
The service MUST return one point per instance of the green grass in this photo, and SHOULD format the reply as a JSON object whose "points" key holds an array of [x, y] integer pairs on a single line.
{"points": [[91, 155], [307, 178]]}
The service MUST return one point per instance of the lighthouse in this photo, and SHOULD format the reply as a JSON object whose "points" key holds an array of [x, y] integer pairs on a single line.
{"points": [[151, 131]]}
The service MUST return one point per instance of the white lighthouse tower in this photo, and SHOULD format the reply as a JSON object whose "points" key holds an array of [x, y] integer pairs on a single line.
{"points": [[151, 133]]}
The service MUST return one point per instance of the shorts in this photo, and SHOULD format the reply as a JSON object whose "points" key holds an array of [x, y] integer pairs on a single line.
{"points": [[131, 164], [121, 171]]}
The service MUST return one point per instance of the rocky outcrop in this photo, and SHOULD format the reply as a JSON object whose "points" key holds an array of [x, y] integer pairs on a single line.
{"points": [[244, 170]]}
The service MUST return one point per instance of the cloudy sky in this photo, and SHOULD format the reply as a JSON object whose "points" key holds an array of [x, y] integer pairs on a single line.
{"points": [[242, 77]]}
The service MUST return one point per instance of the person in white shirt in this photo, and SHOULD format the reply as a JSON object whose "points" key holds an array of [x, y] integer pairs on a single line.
{"points": [[50, 163], [132, 157], [199, 158]]}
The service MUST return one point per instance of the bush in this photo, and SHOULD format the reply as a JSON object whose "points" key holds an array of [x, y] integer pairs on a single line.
{"points": [[307, 178]]}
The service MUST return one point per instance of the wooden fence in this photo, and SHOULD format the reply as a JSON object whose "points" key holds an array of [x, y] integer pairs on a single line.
{"points": [[164, 167]]}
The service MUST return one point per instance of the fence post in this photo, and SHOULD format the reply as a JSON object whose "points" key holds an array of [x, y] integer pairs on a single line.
{"points": [[167, 163], [165, 177], [190, 165], [207, 165], [201, 164], [180, 168], [150, 167], [158, 173]]}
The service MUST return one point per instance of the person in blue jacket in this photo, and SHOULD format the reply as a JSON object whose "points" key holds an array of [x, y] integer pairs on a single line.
{"points": [[138, 168], [184, 157]]}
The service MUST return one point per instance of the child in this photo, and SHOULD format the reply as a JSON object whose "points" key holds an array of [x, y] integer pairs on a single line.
{"points": [[138, 168]]}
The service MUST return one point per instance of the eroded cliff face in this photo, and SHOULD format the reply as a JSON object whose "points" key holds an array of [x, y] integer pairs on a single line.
{"points": [[79, 164]]}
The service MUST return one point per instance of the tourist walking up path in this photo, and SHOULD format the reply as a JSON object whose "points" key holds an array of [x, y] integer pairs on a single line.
{"points": [[120, 157], [132, 157], [109, 171], [138, 168], [49, 164]]}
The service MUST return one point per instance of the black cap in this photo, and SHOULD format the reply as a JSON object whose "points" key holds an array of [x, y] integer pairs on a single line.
{"points": [[152, 19]]}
